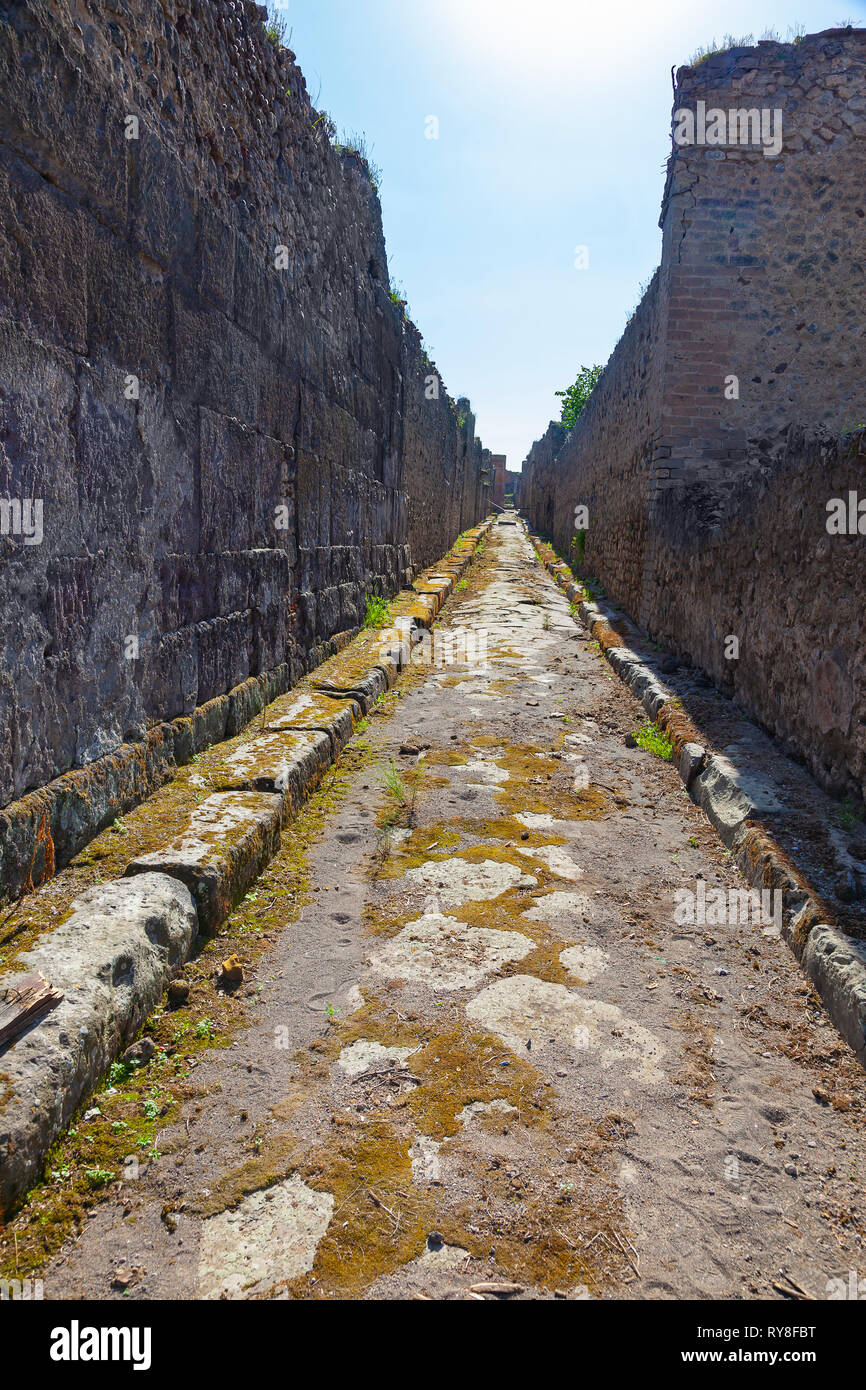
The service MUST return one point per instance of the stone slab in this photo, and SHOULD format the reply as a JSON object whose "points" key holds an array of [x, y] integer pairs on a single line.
{"points": [[273, 1235], [285, 762], [111, 959], [314, 711], [224, 846], [837, 965]]}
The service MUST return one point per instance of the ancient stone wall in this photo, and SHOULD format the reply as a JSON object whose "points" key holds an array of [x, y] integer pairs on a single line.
{"points": [[757, 563], [617, 430], [723, 423], [499, 479], [206, 392], [442, 476]]}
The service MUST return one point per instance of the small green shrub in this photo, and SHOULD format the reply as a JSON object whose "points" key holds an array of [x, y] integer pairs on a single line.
{"points": [[98, 1177], [378, 612], [394, 784], [575, 397], [119, 1072], [402, 793], [651, 738], [276, 27]]}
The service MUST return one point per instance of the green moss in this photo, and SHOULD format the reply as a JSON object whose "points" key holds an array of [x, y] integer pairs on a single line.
{"points": [[507, 828], [420, 846]]}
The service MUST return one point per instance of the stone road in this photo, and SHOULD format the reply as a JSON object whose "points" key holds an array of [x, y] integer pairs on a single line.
{"points": [[484, 1051]]}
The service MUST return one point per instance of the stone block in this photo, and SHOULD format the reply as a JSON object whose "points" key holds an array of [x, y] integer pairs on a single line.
{"points": [[214, 363], [215, 259], [224, 846], [111, 959], [42, 257], [161, 205], [691, 762], [286, 762], [314, 711], [127, 307], [837, 965]]}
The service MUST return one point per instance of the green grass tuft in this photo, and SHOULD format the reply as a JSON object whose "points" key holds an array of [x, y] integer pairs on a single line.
{"points": [[794, 35], [356, 144], [378, 612], [651, 738], [848, 815], [276, 28]]}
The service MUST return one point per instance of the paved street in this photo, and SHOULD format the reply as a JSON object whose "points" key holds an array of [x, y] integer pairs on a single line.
{"points": [[482, 1050]]}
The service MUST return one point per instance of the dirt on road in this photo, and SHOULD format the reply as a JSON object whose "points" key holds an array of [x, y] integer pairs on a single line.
{"points": [[474, 1052]]}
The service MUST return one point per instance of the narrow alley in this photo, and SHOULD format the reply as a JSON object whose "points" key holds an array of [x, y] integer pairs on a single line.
{"points": [[474, 1054]]}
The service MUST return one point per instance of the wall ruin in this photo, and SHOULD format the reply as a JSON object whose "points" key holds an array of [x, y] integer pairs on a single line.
{"points": [[204, 381], [708, 497]]}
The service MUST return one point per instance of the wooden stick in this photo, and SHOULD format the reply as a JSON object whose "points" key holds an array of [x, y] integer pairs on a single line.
{"points": [[24, 1003]]}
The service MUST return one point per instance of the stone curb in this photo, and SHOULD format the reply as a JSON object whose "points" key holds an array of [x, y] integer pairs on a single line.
{"points": [[124, 940], [42, 831], [111, 958], [221, 850], [835, 963]]}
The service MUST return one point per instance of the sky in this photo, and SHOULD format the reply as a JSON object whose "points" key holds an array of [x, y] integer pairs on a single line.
{"points": [[554, 121]]}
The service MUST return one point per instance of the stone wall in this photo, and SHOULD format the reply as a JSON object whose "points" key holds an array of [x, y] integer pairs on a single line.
{"points": [[757, 563], [618, 431], [203, 378], [499, 479], [726, 418]]}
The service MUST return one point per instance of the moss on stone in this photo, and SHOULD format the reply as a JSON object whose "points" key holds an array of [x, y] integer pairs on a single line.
{"points": [[55, 1207]]}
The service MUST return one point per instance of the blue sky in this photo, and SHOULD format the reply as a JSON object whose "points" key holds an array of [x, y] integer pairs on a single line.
{"points": [[554, 129]]}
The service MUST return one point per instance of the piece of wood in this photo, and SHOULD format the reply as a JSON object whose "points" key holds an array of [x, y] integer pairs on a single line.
{"points": [[795, 1290], [497, 1290], [24, 1003]]}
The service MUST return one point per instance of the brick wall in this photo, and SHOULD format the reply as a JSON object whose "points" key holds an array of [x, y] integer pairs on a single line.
{"points": [[605, 463], [707, 497], [499, 472]]}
